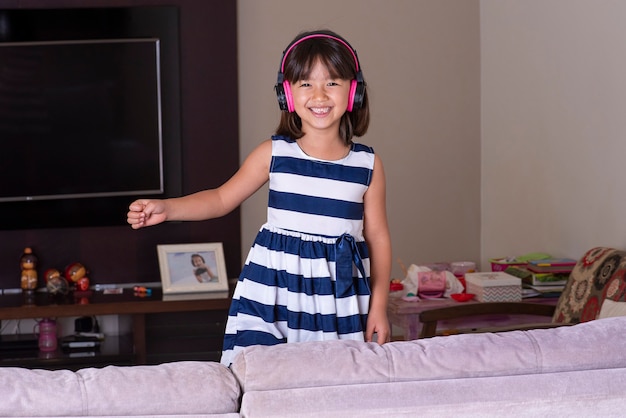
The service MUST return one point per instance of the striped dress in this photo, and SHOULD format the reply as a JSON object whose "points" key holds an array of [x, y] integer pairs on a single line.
{"points": [[306, 277]]}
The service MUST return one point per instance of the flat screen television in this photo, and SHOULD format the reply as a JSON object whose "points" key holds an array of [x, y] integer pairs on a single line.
{"points": [[80, 130]]}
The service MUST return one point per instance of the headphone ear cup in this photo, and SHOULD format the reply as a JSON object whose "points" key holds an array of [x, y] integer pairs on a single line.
{"points": [[351, 95], [280, 95], [288, 96], [357, 91]]}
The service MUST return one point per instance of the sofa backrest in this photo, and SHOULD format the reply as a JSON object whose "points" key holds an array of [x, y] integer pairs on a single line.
{"points": [[592, 345]]}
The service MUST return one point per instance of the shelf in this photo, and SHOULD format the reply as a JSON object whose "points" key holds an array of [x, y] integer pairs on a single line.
{"points": [[194, 330], [116, 350], [44, 305]]}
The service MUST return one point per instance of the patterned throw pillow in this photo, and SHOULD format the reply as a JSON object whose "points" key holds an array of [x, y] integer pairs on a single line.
{"points": [[598, 275]]}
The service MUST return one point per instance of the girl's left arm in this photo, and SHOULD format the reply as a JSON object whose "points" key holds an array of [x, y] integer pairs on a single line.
{"points": [[376, 232]]}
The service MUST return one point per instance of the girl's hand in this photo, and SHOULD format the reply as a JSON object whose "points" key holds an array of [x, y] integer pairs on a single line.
{"points": [[379, 324], [146, 212]]}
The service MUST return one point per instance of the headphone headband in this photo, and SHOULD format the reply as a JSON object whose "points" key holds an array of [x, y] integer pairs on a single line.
{"points": [[318, 35]]}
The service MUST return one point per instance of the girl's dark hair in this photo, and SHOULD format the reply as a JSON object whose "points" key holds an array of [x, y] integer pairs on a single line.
{"points": [[197, 255], [341, 64]]}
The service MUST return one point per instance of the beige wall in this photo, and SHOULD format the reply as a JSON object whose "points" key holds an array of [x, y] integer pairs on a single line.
{"points": [[501, 123], [421, 60], [553, 126]]}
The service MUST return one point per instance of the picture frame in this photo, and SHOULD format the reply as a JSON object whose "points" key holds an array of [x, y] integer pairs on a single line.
{"points": [[192, 268]]}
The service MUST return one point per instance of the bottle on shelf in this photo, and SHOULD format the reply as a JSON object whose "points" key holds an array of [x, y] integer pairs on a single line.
{"points": [[47, 334], [28, 263]]}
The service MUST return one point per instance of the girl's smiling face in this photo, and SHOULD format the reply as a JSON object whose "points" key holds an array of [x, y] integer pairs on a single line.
{"points": [[320, 100]]}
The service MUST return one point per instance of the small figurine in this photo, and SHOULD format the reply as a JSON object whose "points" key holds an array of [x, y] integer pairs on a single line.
{"points": [[76, 273], [54, 282], [82, 284], [50, 273], [28, 262]]}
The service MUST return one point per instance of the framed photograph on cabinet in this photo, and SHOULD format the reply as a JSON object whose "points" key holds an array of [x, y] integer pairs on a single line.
{"points": [[192, 268]]}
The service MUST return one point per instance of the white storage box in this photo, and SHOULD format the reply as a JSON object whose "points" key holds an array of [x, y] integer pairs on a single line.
{"points": [[494, 286]]}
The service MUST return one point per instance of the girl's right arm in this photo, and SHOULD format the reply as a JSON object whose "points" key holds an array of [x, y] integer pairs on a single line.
{"points": [[207, 204]]}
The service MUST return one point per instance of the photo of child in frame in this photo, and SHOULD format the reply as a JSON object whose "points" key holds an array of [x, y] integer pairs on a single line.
{"points": [[192, 268], [186, 268], [203, 273]]}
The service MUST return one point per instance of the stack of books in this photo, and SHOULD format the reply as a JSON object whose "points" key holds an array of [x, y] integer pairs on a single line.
{"points": [[545, 278], [552, 265], [80, 345]]}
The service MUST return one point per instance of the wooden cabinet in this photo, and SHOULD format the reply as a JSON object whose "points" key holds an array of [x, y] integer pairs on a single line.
{"points": [[117, 350], [195, 335], [162, 330]]}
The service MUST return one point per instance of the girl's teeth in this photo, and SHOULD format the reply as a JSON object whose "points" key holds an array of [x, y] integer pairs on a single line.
{"points": [[320, 110]]}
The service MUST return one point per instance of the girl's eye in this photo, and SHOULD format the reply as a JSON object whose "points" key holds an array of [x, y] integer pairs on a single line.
{"points": [[332, 83], [304, 84]]}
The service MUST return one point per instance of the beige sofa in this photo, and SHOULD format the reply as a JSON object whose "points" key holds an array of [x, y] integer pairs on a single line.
{"points": [[575, 370]]}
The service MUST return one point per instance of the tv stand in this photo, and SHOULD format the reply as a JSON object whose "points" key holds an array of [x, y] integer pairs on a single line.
{"points": [[116, 350]]}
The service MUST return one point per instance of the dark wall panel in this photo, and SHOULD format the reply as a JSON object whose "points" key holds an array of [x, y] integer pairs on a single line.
{"points": [[209, 154]]}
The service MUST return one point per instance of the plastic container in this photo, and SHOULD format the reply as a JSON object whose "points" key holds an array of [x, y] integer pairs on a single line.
{"points": [[438, 266], [501, 264], [47, 334], [460, 269]]}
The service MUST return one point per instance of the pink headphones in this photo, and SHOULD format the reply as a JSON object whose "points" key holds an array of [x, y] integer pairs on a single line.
{"points": [[283, 88]]}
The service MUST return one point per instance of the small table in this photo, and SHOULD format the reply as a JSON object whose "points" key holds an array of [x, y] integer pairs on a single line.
{"points": [[405, 314]]}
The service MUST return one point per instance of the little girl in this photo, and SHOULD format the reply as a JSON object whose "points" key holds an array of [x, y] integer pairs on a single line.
{"points": [[320, 266], [203, 273]]}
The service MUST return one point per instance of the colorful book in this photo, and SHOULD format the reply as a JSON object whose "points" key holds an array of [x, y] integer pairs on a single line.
{"points": [[548, 291], [541, 291], [552, 265], [537, 279]]}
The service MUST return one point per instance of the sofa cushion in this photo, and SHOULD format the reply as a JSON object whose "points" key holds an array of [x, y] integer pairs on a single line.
{"points": [[184, 387], [328, 363], [177, 388], [25, 392]]}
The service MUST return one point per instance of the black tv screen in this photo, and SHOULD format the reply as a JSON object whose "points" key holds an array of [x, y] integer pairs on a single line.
{"points": [[89, 113], [80, 119]]}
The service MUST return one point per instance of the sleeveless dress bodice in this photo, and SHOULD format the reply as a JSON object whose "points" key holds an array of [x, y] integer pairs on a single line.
{"points": [[306, 277]]}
